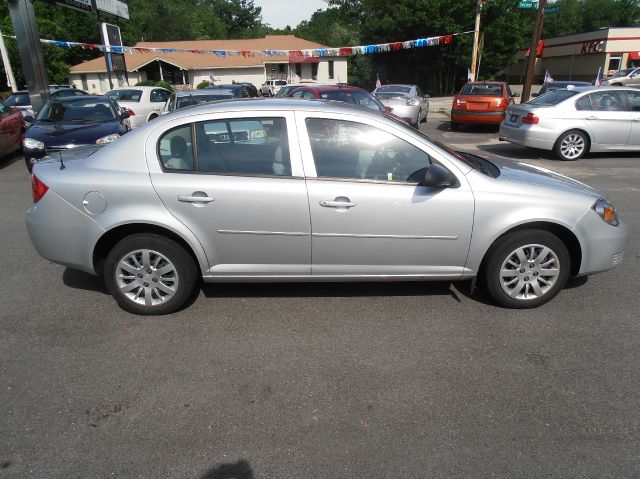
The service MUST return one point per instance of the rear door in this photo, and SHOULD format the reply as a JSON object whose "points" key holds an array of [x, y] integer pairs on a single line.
{"points": [[633, 105], [237, 183]]}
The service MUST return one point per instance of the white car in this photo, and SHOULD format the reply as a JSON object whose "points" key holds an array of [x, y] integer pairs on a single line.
{"points": [[271, 87], [143, 103]]}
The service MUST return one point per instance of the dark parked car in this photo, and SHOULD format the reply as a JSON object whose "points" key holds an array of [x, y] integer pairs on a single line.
{"points": [[11, 129], [559, 85], [70, 122], [239, 90]]}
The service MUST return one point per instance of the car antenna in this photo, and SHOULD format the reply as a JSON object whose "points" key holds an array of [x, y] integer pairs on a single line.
{"points": [[62, 167]]}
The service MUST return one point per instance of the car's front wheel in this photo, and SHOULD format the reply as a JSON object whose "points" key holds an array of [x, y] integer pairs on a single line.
{"points": [[572, 145], [526, 268], [150, 274]]}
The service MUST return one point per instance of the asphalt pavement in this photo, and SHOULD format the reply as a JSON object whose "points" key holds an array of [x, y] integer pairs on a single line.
{"points": [[348, 380]]}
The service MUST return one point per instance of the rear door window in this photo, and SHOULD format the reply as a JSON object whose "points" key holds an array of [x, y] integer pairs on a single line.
{"points": [[175, 150], [244, 146]]}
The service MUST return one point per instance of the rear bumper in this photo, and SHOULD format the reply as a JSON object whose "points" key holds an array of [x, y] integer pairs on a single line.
{"points": [[529, 135], [477, 117], [407, 113]]}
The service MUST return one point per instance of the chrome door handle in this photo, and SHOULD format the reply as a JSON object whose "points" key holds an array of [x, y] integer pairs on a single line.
{"points": [[195, 199], [591, 118], [337, 204]]}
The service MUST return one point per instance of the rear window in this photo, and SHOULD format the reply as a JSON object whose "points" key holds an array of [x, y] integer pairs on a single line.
{"points": [[393, 89], [125, 95], [483, 89], [553, 97], [354, 97]]}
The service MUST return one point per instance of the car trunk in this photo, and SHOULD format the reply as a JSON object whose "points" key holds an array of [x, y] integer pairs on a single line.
{"points": [[479, 103], [392, 99], [514, 114]]}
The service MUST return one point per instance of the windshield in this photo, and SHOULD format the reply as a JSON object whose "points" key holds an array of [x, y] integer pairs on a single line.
{"points": [[125, 95], [89, 110], [185, 101], [18, 99], [552, 98], [482, 89], [359, 98]]}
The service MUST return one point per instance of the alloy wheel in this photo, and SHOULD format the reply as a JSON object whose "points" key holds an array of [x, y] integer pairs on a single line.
{"points": [[529, 272], [572, 146], [146, 277]]}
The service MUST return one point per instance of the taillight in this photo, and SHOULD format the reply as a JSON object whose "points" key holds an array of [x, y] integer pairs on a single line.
{"points": [[130, 111], [530, 119], [501, 103], [38, 188]]}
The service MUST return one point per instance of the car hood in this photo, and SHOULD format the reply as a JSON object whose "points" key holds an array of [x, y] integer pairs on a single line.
{"points": [[524, 173], [62, 134]]}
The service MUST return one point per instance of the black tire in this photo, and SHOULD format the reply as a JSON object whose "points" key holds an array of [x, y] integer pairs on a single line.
{"points": [[563, 147], [454, 126], [145, 280], [556, 263], [152, 117]]}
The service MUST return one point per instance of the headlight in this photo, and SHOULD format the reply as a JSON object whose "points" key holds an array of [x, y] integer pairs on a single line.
{"points": [[32, 144], [107, 139], [606, 211], [413, 102]]}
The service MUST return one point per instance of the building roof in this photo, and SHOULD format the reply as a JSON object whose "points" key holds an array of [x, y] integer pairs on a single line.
{"points": [[203, 61]]}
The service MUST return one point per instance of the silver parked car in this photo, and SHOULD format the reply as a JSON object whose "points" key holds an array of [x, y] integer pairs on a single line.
{"points": [[577, 120], [407, 101], [296, 190], [626, 77]]}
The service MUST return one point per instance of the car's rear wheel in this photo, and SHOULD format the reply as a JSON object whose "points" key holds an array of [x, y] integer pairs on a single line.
{"points": [[526, 268], [572, 145], [150, 274]]}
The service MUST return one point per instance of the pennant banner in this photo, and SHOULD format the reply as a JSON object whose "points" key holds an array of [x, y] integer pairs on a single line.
{"points": [[316, 52]]}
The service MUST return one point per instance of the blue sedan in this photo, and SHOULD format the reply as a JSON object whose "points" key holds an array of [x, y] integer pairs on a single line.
{"points": [[71, 122]]}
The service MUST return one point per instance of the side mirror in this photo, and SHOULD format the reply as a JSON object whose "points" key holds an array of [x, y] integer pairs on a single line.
{"points": [[438, 176], [517, 95], [28, 118]]}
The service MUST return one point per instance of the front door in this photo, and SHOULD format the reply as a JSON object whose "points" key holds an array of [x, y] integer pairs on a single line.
{"points": [[368, 214], [231, 182], [607, 119]]}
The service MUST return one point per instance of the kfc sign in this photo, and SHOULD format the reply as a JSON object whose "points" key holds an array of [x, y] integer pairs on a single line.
{"points": [[592, 47]]}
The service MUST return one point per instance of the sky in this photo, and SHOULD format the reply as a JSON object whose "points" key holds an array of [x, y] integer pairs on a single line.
{"points": [[280, 13]]}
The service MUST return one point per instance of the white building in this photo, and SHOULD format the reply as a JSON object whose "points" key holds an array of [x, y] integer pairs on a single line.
{"points": [[187, 69]]}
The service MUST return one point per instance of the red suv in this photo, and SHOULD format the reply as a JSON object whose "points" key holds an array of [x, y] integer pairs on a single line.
{"points": [[344, 93]]}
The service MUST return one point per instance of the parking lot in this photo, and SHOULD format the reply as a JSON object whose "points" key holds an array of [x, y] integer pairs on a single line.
{"points": [[322, 380]]}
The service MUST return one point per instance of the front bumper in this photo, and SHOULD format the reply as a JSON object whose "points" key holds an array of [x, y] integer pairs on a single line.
{"points": [[603, 245], [61, 233], [477, 117]]}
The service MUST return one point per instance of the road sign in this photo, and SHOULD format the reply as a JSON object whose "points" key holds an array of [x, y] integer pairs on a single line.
{"points": [[82, 5], [528, 4], [552, 10], [113, 7]]}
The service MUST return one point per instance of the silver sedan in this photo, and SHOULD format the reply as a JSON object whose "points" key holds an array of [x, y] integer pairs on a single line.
{"points": [[407, 101], [577, 120], [287, 190]]}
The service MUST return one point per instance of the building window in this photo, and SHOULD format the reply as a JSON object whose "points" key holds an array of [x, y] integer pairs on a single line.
{"points": [[299, 70], [330, 69], [314, 71], [615, 62]]}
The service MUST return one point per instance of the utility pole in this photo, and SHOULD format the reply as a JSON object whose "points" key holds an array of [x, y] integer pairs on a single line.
{"points": [[533, 52], [7, 65], [476, 40]]}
